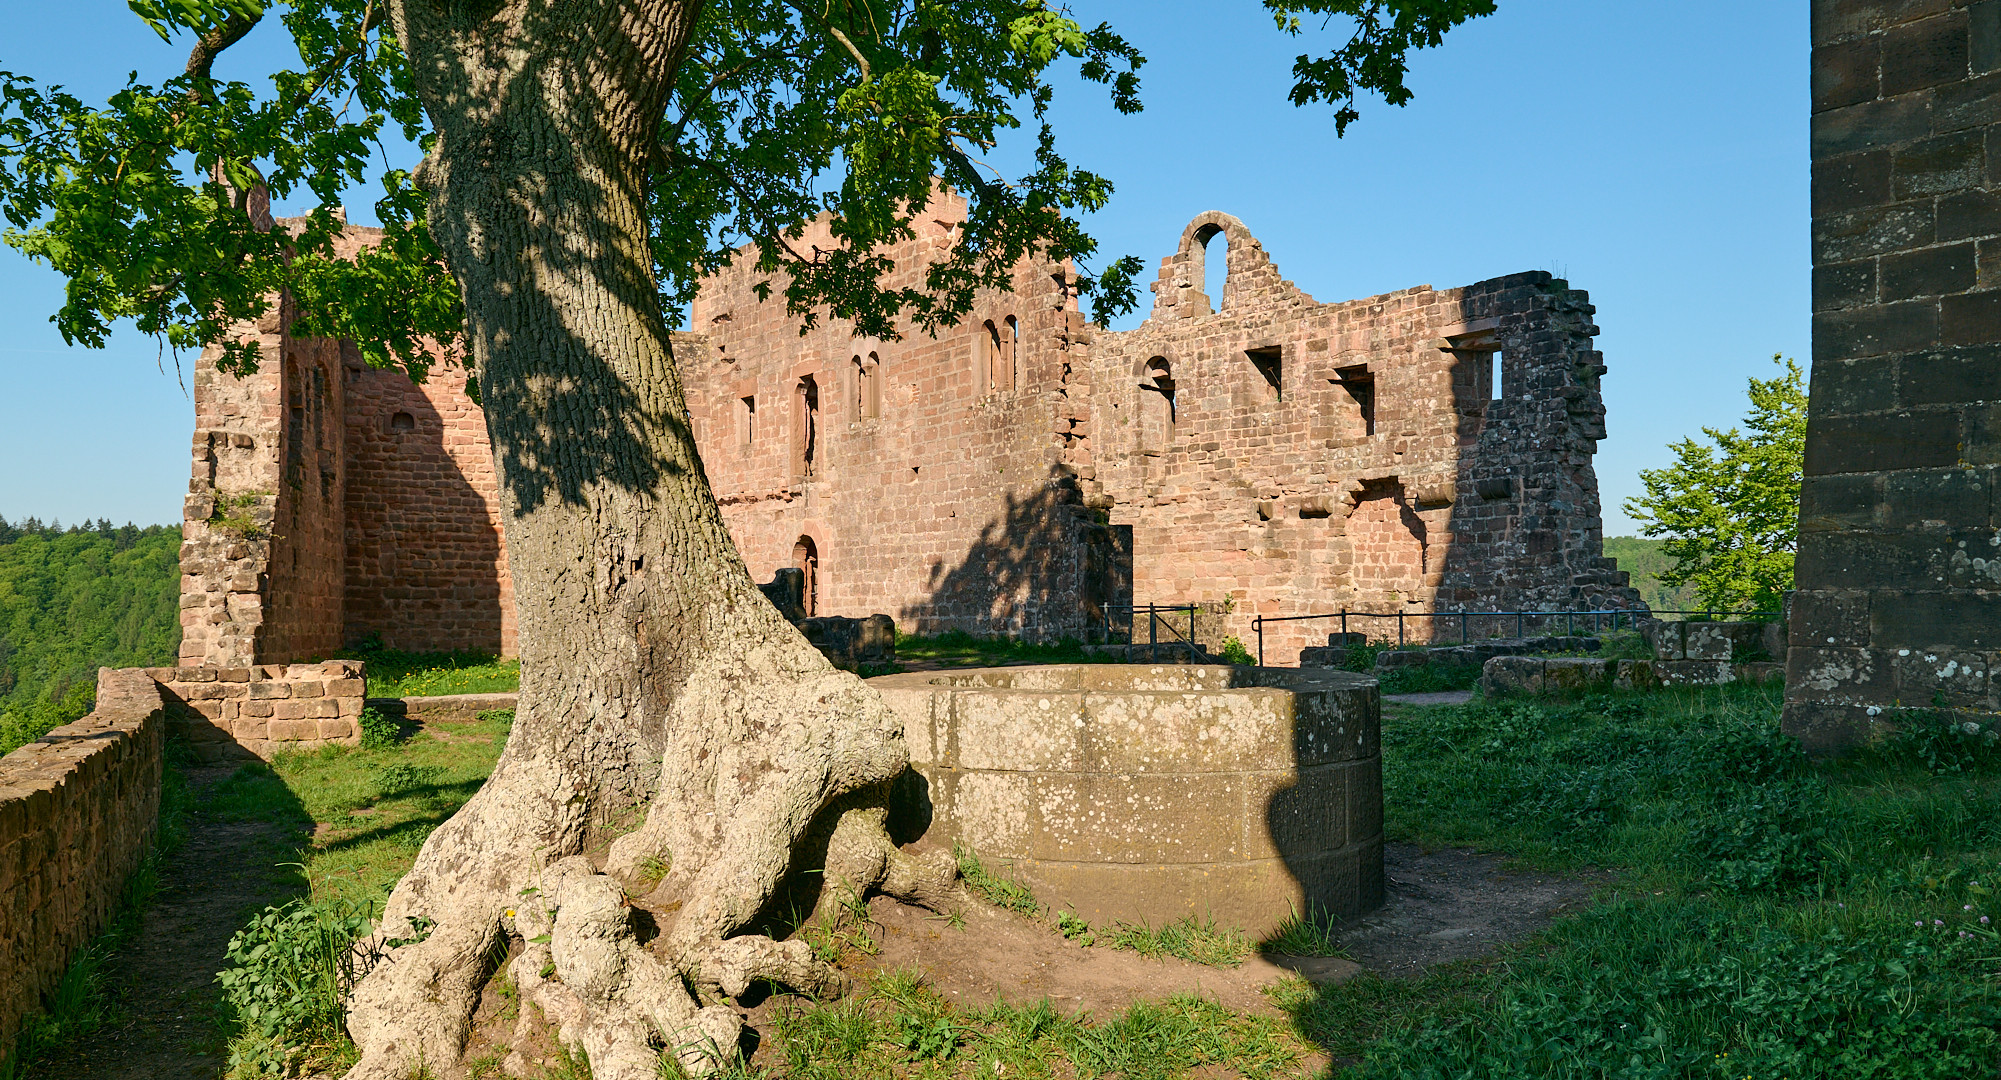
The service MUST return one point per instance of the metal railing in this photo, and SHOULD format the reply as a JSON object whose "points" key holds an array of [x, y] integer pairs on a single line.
{"points": [[1465, 619], [1154, 623]]}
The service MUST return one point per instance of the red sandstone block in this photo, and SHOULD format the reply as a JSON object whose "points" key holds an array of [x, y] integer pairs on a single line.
{"points": [[264, 691], [337, 729], [293, 730], [233, 674], [250, 729], [311, 689], [346, 688]]}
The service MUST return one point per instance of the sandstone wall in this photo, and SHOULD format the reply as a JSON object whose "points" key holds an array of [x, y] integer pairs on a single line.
{"points": [[937, 491], [238, 713], [1898, 579], [1022, 473], [1294, 457], [426, 568], [78, 809]]}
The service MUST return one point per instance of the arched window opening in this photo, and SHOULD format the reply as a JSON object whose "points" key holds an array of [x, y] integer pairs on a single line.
{"points": [[402, 421], [806, 559], [1011, 355], [868, 387], [806, 427], [1215, 264], [989, 365], [1156, 407]]}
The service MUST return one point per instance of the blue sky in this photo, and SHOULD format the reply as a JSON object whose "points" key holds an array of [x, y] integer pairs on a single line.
{"points": [[1653, 153]]}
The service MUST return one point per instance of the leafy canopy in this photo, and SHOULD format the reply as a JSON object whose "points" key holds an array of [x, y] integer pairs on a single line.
{"points": [[784, 110], [1729, 508]]}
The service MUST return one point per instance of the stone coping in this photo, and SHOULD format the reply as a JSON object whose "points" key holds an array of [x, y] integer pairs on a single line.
{"points": [[442, 708]]}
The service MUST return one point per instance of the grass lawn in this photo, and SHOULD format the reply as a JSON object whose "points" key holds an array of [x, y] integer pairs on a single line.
{"points": [[406, 674], [1769, 916]]}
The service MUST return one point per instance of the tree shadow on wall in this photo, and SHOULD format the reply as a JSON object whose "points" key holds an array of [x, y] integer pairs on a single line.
{"points": [[1048, 567], [423, 557]]}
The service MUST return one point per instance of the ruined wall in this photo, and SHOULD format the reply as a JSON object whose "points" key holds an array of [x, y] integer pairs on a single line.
{"points": [[936, 489], [1898, 598], [78, 810], [426, 568], [1293, 457], [227, 714], [1024, 472], [330, 504]]}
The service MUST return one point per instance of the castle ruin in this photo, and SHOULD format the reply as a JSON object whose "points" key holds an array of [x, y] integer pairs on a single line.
{"points": [[1026, 472]]}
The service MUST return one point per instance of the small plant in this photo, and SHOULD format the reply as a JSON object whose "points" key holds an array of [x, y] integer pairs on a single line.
{"points": [[291, 970], [1075, 929], [1235, 653], [1304, 936], [234, 514], [999, 891], [378, 732], [652, 868], [927, 1038]]}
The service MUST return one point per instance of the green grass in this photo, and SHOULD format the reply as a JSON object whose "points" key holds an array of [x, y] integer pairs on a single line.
{"points": [[1198, 941], [356, 818], [407, 674], [895, 1026], [1772, 917], [995, 887], [957, 648]]}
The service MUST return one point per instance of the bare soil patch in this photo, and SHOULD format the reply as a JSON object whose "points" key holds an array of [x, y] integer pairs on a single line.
{"points": [[162, 983], [1001, 956], [1451, 904]]}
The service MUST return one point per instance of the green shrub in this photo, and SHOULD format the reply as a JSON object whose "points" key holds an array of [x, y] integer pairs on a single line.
{"points": [[1942, 743], [378, 732], [1235, 653], [291, 970]]}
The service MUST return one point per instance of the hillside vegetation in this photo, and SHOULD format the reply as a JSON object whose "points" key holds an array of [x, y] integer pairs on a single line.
{"points": [[1645, 560], [73, 600]]}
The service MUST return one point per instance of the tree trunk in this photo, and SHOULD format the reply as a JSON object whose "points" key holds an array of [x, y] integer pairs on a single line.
{"points": [[656, 679]]}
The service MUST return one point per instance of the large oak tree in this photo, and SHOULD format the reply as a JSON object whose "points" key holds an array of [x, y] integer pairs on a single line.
{"points": [[585, 161]]}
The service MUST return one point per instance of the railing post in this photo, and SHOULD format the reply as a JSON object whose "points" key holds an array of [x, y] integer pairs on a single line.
{"points": [[1152, 636], [1192, 608], [1462, 628], [1518, 624], [1569, 624], [1399, 629], [1258, 624], [1344, 628]]}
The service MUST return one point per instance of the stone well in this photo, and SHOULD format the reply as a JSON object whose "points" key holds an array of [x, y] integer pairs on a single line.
{"points": [[1129, 792]]}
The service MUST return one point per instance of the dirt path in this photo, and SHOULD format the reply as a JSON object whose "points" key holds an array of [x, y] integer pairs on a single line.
{"points": [[162, 984], [1451, 904]]}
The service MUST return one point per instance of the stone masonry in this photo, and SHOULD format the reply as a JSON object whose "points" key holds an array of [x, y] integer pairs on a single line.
{"points": [[1899, 568], [78, 810], [1025, 472]]}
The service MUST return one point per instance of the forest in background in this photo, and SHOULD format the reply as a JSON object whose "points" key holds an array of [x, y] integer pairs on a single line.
{"points": [[74, 599], [1645, 561]]}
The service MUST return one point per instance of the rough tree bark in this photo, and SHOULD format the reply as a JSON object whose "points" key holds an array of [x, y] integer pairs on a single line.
{"points": [[654, 674]]}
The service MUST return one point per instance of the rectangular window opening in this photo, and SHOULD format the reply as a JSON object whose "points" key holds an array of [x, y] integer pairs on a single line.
{"points": [[1499, 391], [746, 421], [1269, 362], [1360, 385]]}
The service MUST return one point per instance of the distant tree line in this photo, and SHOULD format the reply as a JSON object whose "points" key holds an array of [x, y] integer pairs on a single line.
{"points": [[74, 599]]}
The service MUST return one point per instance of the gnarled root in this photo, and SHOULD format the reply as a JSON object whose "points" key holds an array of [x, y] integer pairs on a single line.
{"points": [[774, 765]]}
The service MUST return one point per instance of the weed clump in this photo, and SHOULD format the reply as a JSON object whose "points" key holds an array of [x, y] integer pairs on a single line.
{"points": [[996, 889]]}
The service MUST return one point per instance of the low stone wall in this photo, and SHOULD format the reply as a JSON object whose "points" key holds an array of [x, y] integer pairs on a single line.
{"points": [[443, 708], [1571, 674], [1744, 642], [78, 808], [1152, 792], [240, 713]]}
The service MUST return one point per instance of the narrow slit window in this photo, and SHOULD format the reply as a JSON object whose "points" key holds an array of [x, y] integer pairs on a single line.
{"points": [[1011, 355], [1498, 389], [746, 421]]}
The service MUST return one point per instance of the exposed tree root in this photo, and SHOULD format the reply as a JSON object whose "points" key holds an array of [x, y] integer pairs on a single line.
{"points": [[775, 770]]}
